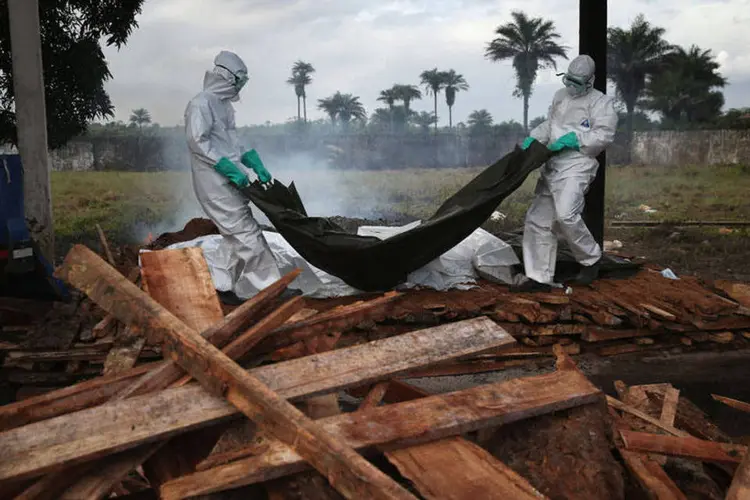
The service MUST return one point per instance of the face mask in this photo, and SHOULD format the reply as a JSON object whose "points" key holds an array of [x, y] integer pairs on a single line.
{"points": [[575, 85], [240, 79]]}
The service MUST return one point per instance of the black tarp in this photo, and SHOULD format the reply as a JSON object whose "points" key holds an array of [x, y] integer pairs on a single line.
{"points": [[371, 264]]}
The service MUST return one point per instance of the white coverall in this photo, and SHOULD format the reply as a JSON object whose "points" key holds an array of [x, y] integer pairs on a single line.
{"points": [[245, 260], [565, 179]]}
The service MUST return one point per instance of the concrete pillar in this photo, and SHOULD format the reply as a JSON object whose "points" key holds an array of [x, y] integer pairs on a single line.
{"points": [[592, 41], [31, 120]]}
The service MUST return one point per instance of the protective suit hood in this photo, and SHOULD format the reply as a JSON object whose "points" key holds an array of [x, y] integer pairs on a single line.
{"points": [[579, 79], [227, 78]]}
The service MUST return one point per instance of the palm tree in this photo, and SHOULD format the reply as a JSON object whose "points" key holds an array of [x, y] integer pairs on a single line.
{"points": [[453, 84], [633, 56], [423, 120], [140, 117], [349, 108], [685, 90], [406, 94], [532, 45], [300, 79], [329, 106], [480, 119], [343, 107], [389, 97], [433, 81]]}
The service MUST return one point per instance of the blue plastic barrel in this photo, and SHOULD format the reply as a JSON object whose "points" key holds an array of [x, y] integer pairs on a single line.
{"points": [[12, 223]]}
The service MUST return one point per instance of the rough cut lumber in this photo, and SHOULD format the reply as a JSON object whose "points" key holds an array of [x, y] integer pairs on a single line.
{"points": [[740, 487], [456, 469], [737, 291], [346, 470], [338, 320], [669, 408], [432, 466], [651, 476], [645, 417], [101, 389], [737, 405], [375, 396], [405, 424], [686, 447], [194, 301], [94, 432]]}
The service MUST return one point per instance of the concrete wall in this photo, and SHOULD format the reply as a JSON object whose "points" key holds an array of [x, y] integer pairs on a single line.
{"points": [[378, 151], [698, 147]]}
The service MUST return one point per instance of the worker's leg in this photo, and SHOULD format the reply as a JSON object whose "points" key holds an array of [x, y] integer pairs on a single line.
{"points": [[568, 194], [255, 267], [539, 241]]}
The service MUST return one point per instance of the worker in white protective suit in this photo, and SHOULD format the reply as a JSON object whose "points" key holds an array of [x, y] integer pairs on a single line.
{"points": [[245, 263], [581, 123]]}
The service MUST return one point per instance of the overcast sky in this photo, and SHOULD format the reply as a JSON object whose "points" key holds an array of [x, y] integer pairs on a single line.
{"points": [[362, 47]]}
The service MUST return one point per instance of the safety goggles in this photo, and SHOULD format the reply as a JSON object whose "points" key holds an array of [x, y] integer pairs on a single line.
{"points": [[240, 80], [576, 82]]}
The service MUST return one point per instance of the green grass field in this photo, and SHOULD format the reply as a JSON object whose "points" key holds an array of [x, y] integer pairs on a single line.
{"points": [[130, 205]]}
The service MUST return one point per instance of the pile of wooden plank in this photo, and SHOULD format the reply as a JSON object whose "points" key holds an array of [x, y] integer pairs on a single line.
{"points": [[251, 400]]}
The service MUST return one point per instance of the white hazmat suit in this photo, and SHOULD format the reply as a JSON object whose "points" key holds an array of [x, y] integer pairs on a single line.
{"points": [[565, 179], [244, 254]]}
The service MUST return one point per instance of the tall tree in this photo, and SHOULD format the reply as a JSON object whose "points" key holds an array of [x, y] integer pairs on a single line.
{"points": [[344, 108], [407, 94], [424, 120], [480, 119], [685, 91], [532, 45], [300, 79], [140, 117], [633, 56], [389, 97], [329, 106], [433, 81], [454, 83], [350, 108], [75, 69]]}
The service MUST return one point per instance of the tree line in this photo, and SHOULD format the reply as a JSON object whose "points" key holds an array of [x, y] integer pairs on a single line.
{"points": [[652, 77]]}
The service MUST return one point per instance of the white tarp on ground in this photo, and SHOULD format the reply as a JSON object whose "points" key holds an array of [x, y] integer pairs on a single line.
{"points": [[480, 254]]}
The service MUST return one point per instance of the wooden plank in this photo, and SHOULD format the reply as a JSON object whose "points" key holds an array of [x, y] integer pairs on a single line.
{"points": [[119, 425], [686, 447], [349, 473], [651, 476], [99, 390], [595, 334], [432, 468], [125, 352], [740, 487], [669, 408], [645, 417], [737, 405], [406, 424], [739, 292], [375, 396], [194, 301], [338, 320], [105, 245]]}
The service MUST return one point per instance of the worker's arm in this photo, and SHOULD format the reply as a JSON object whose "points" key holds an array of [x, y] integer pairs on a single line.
{"points": [[603, 127], [198, 123], [542, 131]]}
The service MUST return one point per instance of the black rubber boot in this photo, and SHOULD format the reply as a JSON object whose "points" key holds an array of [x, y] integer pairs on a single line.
{"points": [[230, 298], [530, 286], [587, 274], [290, 293]]}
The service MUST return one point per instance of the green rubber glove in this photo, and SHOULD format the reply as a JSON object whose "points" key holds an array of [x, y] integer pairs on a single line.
{"points": [[228, 169], [252, 160], [527, 142], [568, 141]]}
